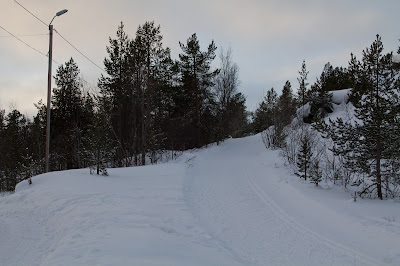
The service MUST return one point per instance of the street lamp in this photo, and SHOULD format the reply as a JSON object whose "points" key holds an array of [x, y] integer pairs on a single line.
{"points": [[59, 13]]}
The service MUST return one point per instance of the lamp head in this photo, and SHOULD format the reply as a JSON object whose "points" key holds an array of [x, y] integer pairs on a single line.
{"points": [[59, 13]]}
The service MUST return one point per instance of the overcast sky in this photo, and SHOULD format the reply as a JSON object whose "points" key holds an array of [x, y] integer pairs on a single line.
{"points": [[269, 39]]}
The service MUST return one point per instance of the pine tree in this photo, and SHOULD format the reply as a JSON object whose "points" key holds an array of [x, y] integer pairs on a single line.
{"points": [[304, 157], [118, 94], [197, 80], [315, 173], [337, 78], [27, 168], [265, 115], [13, 148], [368, 143], [378, 110], [286, 105], [2, 144], [152, 65], [37, 142], [320, 101], [302, 91], [101, 141], [67, 121]]}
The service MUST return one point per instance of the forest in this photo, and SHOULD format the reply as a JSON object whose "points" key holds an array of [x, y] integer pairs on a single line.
{"points": [[150, 107]]}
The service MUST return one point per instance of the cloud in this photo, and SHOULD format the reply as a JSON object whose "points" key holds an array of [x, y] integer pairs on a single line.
{"points": [[270, 38]]}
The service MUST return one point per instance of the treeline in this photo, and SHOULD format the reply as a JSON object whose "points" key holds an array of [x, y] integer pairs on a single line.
{"points": [[361, 149], [147, 104], [276, 112]]}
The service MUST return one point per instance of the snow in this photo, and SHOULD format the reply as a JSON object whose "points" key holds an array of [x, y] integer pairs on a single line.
{"points": [[396, 58], [231, 204], [340, 96]]}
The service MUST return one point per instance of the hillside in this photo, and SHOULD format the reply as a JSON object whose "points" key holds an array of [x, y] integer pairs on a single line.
{"points": [[232, 204]]}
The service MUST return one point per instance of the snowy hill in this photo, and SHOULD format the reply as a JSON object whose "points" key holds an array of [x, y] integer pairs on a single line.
{"points": [[232, 204]]}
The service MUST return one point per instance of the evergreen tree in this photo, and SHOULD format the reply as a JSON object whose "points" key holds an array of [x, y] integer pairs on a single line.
{"points": [[304, 157], [337, 78], [315, 173], [152, 65], [117, 95], [265, 115], [197, 82], [320, 101], [13, 148], [369, 142], [100, 142], [282, 113], [286, 105], [2, 143], [37, 142], [67, 124], [302, 91]]}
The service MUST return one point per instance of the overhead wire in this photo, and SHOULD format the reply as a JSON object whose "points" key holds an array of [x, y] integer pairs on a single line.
{"points": [[25, 35], [90, 85], [33, 48], [65, 39], [31, 13], [76, 49]]}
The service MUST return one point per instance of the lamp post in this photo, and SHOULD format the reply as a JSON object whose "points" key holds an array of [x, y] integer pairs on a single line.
{"points": [[59, 13]]}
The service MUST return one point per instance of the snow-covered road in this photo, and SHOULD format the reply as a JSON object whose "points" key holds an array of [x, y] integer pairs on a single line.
{"points": [[232, 204], [240, 193]]}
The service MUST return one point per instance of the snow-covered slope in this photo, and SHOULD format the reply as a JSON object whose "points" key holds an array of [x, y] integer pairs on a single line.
{"points": [[135, 216], [232, 204]]}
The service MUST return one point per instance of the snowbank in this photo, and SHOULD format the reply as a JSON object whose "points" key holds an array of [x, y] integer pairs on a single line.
{"points": [[341, 96], [396, 58]]}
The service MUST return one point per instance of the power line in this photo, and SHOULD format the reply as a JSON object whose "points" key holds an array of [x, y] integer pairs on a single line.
{"points": [[62, 38], [25, 35], [31, 13], [79, 51], [26, 43], [90, 85]]}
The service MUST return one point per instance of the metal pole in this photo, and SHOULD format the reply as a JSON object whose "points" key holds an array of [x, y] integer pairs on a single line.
{"points": [[46, 170]]}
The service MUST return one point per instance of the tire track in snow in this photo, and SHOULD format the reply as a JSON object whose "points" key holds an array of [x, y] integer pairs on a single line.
{"points": [[360, 258]]}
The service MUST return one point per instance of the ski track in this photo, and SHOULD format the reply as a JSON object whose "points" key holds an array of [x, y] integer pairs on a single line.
{"points": [[359, 258], [144, 222], [245, 221], [225, 205]]}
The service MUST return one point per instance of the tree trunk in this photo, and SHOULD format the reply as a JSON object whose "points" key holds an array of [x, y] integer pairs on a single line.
{"points": [[378, 167], [98, 160]]}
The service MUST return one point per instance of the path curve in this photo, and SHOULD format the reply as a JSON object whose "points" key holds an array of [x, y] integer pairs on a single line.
{"points": [[235, 208]]}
